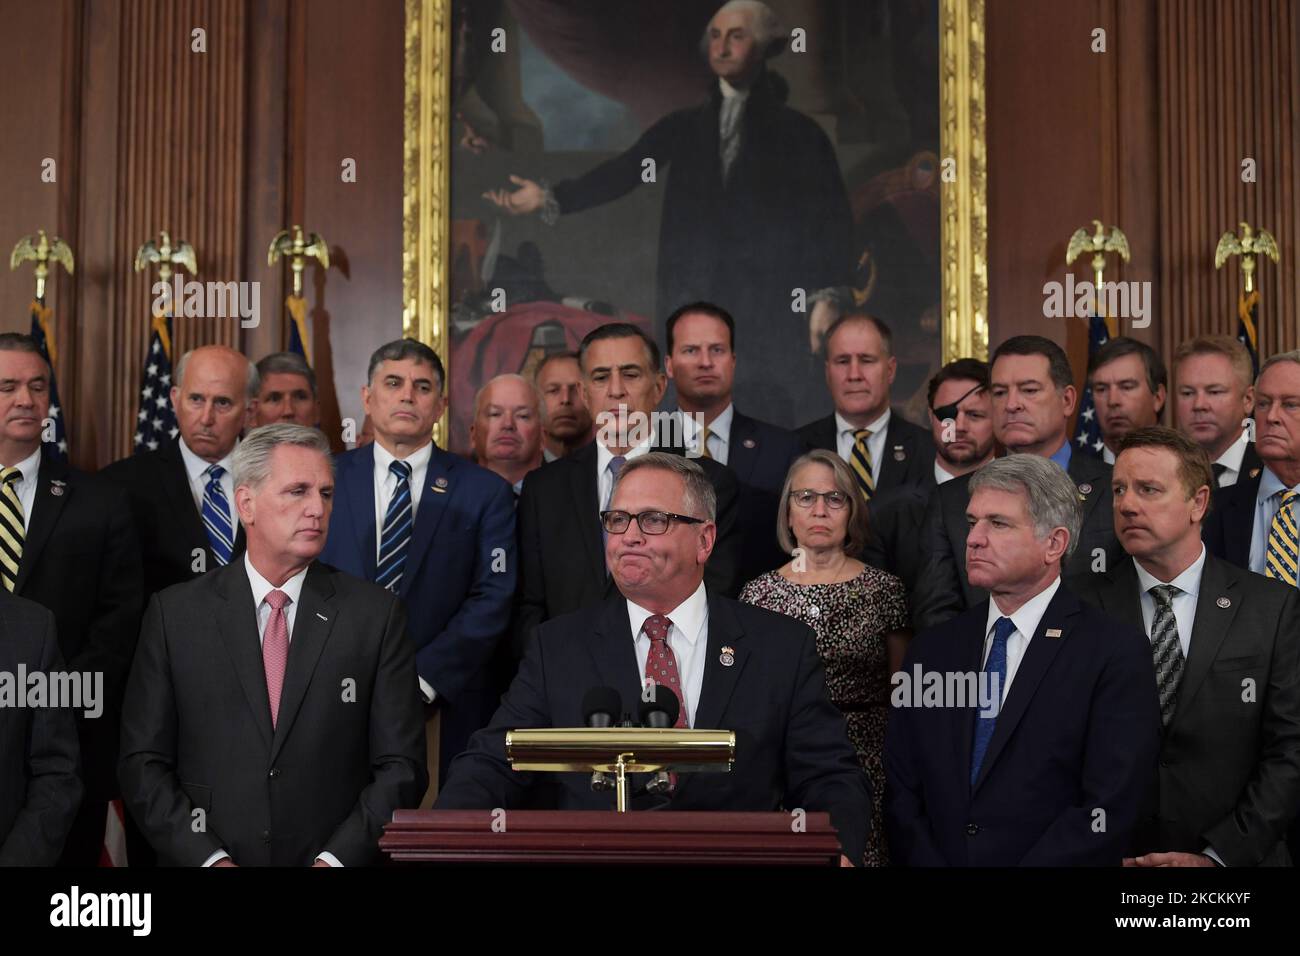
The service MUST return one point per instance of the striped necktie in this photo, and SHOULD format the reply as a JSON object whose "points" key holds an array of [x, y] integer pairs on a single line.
{"points": [[860, 461], [396, 535], [11, 526], [1283, 554], [1166, 650], [216, 516]]}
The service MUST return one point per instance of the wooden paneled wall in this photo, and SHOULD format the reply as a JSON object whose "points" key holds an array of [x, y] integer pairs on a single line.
{"points": [[1229, 89], [223, 149], [1149, 135]]}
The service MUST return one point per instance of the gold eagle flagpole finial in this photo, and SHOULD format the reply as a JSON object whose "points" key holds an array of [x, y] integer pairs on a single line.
{"points": [[1099, 243], [1248, 245], [166, 254], [42, 250], [298, 247]]}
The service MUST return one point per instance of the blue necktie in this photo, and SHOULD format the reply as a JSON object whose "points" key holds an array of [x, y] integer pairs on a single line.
{"points": [[216, 516], [996, 664], [397, 530]]}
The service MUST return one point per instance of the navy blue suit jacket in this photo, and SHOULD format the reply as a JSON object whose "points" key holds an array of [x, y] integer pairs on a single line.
{"points": [[459, 579], [1078, 733], [792, 745], [760, 455]]}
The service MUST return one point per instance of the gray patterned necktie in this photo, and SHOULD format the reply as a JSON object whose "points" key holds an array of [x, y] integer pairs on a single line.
{"points": [[729, 132], [1166, 650]]}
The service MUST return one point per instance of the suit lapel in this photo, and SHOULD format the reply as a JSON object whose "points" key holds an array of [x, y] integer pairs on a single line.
{"points": [[46, 508], [237, 622], [311, 629], [972, 662], [1238, 518], [1088, 474], [584, 490], [1208, 630], [176, 488], [741, 458], [614, 652], [439, 487], [1038, 658], [893, 470], [359, 485], [1121, 595]]}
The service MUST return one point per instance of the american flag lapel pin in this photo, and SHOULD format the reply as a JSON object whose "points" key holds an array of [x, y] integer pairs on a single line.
{"points": [[1053, 632]]}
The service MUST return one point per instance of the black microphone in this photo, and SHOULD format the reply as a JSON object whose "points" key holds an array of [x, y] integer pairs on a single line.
{"points": [[600, 708], [660, 713]]}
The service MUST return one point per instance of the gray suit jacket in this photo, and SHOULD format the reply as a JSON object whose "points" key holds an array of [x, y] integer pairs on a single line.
{"points": [[1229, 773], [347, 750]]}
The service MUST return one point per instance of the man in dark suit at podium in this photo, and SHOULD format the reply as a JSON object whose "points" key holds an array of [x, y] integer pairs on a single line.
{"points": [[730, 665]]}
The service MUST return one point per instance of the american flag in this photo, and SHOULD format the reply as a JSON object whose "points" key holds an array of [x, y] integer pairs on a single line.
{"points": [[1087, 432], [155, 423], [57, 449], [1247, 310]]}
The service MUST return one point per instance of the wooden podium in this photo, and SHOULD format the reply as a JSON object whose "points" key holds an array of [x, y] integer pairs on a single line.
{"points": [[603, 837]]}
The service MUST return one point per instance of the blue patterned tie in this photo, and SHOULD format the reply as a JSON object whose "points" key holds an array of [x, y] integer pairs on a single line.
{"points": [[397, 530], [615, 466], [996, 664], [216, 516]]}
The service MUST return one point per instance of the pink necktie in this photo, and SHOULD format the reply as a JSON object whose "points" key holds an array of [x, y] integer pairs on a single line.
{"points": [[661, 662], [275, 650]]}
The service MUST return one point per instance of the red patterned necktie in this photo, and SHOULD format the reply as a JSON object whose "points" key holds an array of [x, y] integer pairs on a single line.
{"points": [[275, 650], [661, 662]]}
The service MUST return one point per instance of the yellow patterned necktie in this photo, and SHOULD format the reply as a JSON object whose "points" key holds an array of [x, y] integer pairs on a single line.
{"points": [[860, 460], [11, 527], [704, 441], [1281, 558]]}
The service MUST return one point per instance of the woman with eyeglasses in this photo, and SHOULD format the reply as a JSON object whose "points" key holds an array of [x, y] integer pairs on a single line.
{"points": [[858, 612]]}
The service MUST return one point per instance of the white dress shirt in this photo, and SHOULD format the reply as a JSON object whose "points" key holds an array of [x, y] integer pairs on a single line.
{"points": [[941, 474], [1231, 460], [386, 483], [1184, 602], [719, 434], [689, 640], [1026, 620], [195, 468], [25, 487], [845, 441], [604, 479], [261, 588], [1107, 455]]}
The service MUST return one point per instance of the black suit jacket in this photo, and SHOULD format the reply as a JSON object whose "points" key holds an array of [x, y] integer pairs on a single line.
{"points": [[167, 523], [760, 455], [1230, 525], [792, 745], [561, 548], [909, 450], [40, 786], [943, 590], [347, 750], [894, 524], [1078, 733], [82, 561], [1229, 775]]}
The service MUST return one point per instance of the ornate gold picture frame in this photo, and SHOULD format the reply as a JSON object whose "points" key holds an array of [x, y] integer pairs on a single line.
{"points": [[427, 164]]}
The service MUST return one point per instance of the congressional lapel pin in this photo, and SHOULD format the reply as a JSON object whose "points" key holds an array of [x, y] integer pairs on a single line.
{"points": [[750, 443], [56, 487], [439, 485], [899, 453], [728, 656], [1085, 489], [1224, 602], [321, 616], [1053, 632]]}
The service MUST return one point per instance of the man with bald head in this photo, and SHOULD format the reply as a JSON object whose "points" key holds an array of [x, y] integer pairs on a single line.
{"points": [[182, 493], [507, 429]]}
